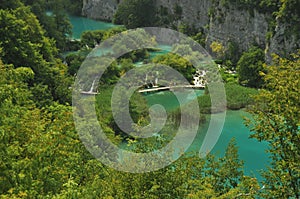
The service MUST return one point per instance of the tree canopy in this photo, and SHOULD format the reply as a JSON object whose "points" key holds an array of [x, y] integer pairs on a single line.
{"points": [[249, 67], [42, 156], [135, 13], [24, 44], [277, 120]]}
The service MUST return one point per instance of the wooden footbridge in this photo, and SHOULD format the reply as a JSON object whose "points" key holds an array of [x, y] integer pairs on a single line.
{"points": [[156, 89]]}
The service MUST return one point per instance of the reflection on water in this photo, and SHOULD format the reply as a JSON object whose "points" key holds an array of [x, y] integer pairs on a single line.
{"points": [[250, 150]]}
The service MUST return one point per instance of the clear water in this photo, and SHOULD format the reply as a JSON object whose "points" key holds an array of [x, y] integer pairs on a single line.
{"points": [[163, 49], [81, 24], [168, 100], [251, 151]]}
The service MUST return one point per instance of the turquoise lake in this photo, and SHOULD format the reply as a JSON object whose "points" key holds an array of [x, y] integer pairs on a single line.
{"points": [[251, 151], [81, 24]]}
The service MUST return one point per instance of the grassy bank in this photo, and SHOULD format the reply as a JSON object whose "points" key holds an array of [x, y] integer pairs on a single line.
{"points": [[237, 97]]}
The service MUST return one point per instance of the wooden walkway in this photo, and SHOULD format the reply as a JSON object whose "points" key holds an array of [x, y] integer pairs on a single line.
{"points": [[88, 93], [156, 89]]}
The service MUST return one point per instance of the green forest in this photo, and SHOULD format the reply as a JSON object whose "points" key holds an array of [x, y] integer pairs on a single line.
{"points": [[42, 155]]}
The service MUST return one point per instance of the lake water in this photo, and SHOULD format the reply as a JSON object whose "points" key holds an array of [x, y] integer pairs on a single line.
{"points": [[251, 151], [81, 24], [168, 100]]}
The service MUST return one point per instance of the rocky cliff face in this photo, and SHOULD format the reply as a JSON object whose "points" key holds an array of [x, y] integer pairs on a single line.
{"points": [[99, 9], [222, 23], [194, 12], [238, 26], [283, 42]]}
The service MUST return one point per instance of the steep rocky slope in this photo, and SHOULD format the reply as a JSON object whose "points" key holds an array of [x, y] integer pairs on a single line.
{"points": [[99, 9], [223, 23]]}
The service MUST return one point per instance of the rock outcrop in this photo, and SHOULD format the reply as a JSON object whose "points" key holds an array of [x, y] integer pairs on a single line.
{"points": [[193, 11], [283, 42], [242, 27], [99, 9], [222, 23]]}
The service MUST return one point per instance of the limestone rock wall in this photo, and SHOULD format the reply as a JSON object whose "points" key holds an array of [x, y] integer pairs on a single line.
{"points": [[221, 23], [99, 9], [242, 27], [283, 42], [193, 11]]}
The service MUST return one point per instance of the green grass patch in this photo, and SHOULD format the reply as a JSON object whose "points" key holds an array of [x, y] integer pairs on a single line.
{"points": [[237, 97]]}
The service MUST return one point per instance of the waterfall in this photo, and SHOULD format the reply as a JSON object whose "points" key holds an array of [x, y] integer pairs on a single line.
{"points": [[156, 78], [92, 88]]}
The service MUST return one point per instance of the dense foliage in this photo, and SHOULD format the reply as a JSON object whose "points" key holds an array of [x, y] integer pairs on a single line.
{"points": [[24, 44], [53, 17], [277, 120], [38, 146], [178, 63], [92, 38], [135, 13], [250, 66], [41, 155]]}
